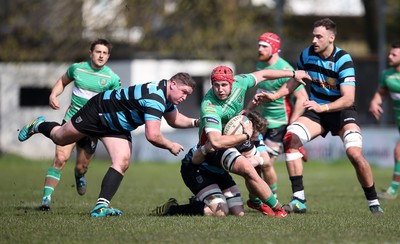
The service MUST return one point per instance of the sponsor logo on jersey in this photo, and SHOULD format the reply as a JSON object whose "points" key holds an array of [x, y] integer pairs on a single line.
{"points": [[103, 82], [210, 110], [331, 81], [212, 120], [199, 179], [78, 120], [350, 79]]}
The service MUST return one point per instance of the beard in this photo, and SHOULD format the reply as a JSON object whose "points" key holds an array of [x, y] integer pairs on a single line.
{"points": [[264, 58]]}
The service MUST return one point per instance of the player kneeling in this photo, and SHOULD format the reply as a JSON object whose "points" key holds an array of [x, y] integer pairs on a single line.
{"points": [[215, 191]]}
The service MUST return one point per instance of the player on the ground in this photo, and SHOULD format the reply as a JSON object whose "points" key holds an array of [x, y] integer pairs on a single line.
{"points": [[111, 116], [330, 109], [88, 78], [215, 191], [390, 85]]}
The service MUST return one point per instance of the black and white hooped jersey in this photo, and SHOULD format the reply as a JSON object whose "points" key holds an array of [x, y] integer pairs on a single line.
{"points": [[128, 108], [327, 74]]}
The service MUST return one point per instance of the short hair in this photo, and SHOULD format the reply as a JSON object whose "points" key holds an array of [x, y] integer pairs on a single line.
{"points": [[327, 23], [259, 122], [101, 41], [185, 79], [396, 45]]}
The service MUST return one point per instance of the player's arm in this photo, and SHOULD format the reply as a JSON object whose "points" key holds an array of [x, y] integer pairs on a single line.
{"points": [[345, 101], [219, 141], [269, 74], [177, 120], [285, 89], [375, 105], [301, 96], [199, 155], [57, 89], [155, 137]]}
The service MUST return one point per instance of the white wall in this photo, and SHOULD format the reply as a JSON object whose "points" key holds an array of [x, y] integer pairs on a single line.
{"points": [[12, 116]]}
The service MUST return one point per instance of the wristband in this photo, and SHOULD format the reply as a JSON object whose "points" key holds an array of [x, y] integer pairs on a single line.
{"points": [[193, 123], [294, 74], [203, 150], [247, 136], [327, 107]]}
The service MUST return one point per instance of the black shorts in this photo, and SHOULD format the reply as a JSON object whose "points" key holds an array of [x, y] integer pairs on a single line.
{"points": [[333, 121], [88, 120], [88, 143], [276, 134], [245, 146], [198, 177]]}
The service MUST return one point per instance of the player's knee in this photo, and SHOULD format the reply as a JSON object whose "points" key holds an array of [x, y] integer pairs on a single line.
{"points": [[120, 165], [245, 168], [266, 160], [60, 160], [235, 203], [216, 205], [290, 156], [352, 138], [217, 213], [296, 135]]}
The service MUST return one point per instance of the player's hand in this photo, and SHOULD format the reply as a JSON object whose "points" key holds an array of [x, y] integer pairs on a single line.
{"points": [[263, 97], [247, 127], [53, 102], [376, 110], [176, 148], [312, 105], [208, 147], [301, 76]]}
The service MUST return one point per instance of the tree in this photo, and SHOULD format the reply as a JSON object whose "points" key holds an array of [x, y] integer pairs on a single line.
{"points": [[216, 30], [40, 30]]}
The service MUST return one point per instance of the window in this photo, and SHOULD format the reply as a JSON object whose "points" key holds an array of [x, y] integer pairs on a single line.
{"points": [[30, 96]]}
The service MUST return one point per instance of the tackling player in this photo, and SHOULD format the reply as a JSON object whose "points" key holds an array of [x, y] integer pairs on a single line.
{"points": [[111, 116], [88, 78]]}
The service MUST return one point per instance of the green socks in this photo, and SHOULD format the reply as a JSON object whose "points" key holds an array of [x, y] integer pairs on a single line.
{"points": [[54, 174], [271, 201]]}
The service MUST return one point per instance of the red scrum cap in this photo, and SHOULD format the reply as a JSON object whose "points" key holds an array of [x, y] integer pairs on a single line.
{"points": [[222, 73], [270, 39]]}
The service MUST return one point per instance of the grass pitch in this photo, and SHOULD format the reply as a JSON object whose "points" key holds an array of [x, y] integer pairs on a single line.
{"points": [[337, 209]]}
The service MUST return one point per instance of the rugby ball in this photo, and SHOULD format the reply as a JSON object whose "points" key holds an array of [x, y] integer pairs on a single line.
{"points": [[233, 127]]}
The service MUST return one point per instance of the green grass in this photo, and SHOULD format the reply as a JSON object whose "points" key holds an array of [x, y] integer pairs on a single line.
{"points": [[337, 209]]}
